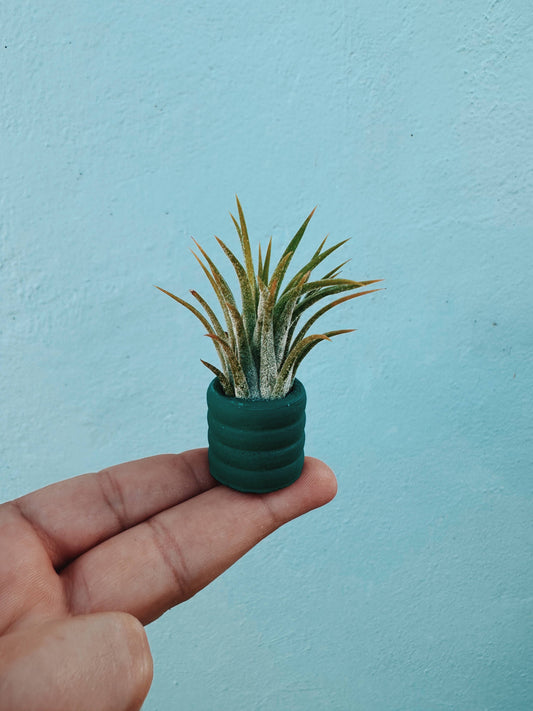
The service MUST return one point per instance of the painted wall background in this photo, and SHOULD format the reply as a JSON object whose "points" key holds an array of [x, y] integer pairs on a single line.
{"points": [[127, 127]]}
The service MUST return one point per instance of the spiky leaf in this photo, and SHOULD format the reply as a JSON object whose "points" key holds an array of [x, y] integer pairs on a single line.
{"points": [[226, 385], [198, 315], [322, 293], [245, 243], [329, 335], [282, 323], [334, 272], [266, 265], [247, 294], [239, 378], [244, 352], [291, 248], [286, 368], [209, 311], [326, 308], [315, 260], [220, 296], [268, 365]]}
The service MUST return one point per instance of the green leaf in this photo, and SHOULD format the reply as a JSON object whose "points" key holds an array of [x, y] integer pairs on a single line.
{"points": [[291, 248], [247, 296], [329, 335], [322, 293], [198, 315], [209, 311], [242, 231], [286, 369], [279, 272], [282, 322], [285, 296], [323, 283], [295, 241], [245, 243], [259, 262], [326, 308], [244, 353], [268, 367], [239, 378], [266, 266], [220, 296], [222, 283], [313, 263], [256, 339], [217, 326], [224, 382], [191, 308], [300, 351], [334, 272]]}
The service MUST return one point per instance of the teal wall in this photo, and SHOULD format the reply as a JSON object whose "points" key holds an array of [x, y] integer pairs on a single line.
{"points": [[127, 127]]}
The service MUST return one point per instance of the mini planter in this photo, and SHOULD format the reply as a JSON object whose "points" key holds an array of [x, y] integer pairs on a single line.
{"points": [[256, 406], [256, 445]]}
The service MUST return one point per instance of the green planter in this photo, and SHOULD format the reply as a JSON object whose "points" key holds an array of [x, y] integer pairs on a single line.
{"points": [[256, 445]]}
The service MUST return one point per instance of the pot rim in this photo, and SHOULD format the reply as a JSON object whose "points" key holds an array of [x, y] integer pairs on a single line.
{"points": [[293, 397]]}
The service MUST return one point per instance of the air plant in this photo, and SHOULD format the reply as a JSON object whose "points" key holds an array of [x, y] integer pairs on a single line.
{"points": [[262, 344]]}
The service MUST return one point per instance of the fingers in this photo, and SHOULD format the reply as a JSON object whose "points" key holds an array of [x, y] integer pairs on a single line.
{"points": [[74, 515], [167, 559], [100, 662]]}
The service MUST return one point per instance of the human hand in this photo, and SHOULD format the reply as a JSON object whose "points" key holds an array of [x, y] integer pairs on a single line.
{"points": [[86, 562]]}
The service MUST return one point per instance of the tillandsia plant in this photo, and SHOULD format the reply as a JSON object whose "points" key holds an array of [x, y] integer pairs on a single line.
{"points": [[264, 342]]}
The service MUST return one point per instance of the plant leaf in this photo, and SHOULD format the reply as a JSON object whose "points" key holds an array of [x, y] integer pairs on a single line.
{"points": [[259, 262], [339, 331], [245, 243], [295, 241], [242, 231], [217, 326], [198, 315], [220, 296], [282, 322], [247, 295], [222, 283], [266, 266], [244, 353], [313, 263], [305, 351], [323, 283], [268, 367], [326, 308], [209, 311], [239, 379], [322, 293], [286, 368], [191, 308], [225, 383], [279, 272], [291, 248], [256, 340], [302, 349], [334, 272]]}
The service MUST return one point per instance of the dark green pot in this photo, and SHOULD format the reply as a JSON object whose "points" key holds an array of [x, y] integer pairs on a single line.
{"points": [[256, 445]]}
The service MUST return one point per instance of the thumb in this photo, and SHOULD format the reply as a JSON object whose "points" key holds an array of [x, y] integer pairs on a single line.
{"points": [[98, 662]]}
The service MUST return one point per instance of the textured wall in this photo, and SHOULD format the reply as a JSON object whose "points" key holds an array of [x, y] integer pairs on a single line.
{"points": [[126, 128]]}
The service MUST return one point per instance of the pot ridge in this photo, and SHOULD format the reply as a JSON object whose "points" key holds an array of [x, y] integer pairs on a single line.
{"points": [[256, 445]]}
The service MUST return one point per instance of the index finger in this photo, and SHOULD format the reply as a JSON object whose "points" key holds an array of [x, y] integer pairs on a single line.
{"points": [[74, 515], [171, 556]]}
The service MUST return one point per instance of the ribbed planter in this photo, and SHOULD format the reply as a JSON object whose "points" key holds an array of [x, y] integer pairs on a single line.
{"points": [[256, 445]]}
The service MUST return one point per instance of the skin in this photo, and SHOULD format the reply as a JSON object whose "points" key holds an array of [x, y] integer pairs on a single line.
{"points": [[85, 563]]}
